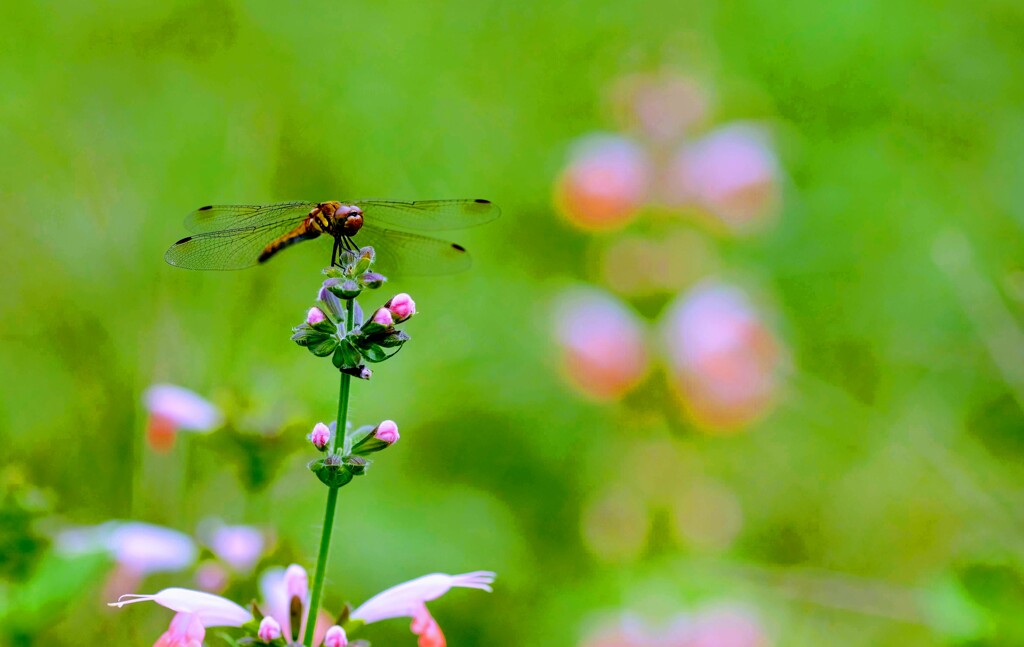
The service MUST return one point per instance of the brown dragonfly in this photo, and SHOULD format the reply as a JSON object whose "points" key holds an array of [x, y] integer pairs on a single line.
{"points": [[232, 237]]}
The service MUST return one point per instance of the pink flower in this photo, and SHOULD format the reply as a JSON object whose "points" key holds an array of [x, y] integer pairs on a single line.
{"points": [[383, 317], [723, 357], [296, 583], [664, 106], [605, 184], [603, 350], [335, 637], [387, 432], [732, 172], [320, 436], [728, 627], [172, 408], [240, 547], [139, 548], [401, 306], [279, 587], [185, 631], [315, 316], [269, 629], [424, 626]]}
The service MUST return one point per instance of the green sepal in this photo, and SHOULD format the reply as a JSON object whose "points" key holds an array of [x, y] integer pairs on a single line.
{"points": [[356, 464], [330, 303], [346, 356], [306, 335], [363, 264], [326, 326], [325, 347], [333, 272], [354, 437], [331, 471], [352, 625], [371, 328], [374, 353]]}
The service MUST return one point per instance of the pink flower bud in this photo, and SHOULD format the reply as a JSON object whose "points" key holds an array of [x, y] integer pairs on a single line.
{"points": [[335, 637], [320, 436], [315, 316], [402, 306], [387, 432], [383, 317], [296, 582], [269, 629]]}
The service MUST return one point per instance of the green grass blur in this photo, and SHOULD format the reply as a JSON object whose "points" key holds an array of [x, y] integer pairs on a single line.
{"points": [[881, 497]]}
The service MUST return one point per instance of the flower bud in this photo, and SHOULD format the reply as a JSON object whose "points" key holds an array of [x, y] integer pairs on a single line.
{"points": [[315, 316], [383, 436], [387, 431], [401, 306], [335, 637], [383, 317], [320, 436], [350, 289], [373, 280], [269, 629]]}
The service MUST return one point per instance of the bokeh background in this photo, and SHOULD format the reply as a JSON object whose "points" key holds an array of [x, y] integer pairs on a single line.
{"points": [[740, 365]]}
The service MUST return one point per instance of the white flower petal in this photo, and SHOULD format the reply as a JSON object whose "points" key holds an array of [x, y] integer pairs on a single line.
{"points": [[403, 600], [187, 409], [212, 610]]}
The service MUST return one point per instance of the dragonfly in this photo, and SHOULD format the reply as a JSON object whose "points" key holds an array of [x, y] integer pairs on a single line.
{"points": [[232, 237]]}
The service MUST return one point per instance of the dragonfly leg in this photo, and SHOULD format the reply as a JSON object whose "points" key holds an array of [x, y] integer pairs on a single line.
{"points": [[334, 253]]}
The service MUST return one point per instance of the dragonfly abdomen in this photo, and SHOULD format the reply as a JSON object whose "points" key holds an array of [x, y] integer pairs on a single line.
{"points": [[305, 231]]}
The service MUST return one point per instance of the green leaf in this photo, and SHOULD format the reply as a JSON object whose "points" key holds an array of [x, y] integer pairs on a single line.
{"points": [[55, 583], [306, 335], [375, 353]]}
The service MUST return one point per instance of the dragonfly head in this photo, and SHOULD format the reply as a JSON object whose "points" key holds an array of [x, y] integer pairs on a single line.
{"points": [[348, 219]]}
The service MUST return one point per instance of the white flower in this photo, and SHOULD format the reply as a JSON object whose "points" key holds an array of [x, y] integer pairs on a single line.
{"points": [[404, 600], [212, 610]]}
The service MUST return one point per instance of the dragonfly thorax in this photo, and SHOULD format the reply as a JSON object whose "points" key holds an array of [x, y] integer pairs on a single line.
{"points": [[336, 219]]}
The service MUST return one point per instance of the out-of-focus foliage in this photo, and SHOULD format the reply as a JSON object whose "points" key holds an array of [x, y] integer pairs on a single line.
{"points": [[872, 497]]}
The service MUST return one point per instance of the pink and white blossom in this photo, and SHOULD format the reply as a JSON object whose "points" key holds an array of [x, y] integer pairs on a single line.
{"points": [[140, 548]]}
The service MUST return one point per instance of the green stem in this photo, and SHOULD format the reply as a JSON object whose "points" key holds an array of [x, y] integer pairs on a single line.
{"points": [[332, 500]]}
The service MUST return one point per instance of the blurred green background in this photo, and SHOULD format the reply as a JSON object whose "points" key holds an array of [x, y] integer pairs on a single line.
{"points": [[877, 500]]}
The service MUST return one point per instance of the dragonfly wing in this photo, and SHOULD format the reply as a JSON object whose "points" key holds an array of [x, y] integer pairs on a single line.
{"points": [[401, 253], [231, 249], [429, 215], [236, 216]]}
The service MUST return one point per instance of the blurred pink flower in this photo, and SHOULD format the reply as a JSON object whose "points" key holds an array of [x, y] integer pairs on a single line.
{"points": [[139, 549], [172, 408], [629, 630], [211, 576], [185, 631], [723, 357], [605, 184], [664, 106], [602, 342], [732, 172], [240, 547], [728, 626]]}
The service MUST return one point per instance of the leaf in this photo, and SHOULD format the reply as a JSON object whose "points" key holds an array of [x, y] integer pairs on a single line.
{"points": [[325, 347]]}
